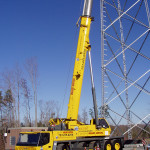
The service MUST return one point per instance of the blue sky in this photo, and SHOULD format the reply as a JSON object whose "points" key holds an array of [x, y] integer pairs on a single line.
{"points": [[47, 30]]}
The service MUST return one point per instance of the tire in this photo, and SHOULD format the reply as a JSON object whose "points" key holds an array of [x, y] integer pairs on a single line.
{"points": [[81, 145], [92, 145], [108, 145], [62, 147], [117, 145]]}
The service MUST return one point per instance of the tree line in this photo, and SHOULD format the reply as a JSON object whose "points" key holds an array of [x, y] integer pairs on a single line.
{"points": [[18, 99], [18, 91]]}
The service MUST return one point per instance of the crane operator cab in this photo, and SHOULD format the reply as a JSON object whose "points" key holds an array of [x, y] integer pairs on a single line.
{"points": [[30, 140], [102, 123]]}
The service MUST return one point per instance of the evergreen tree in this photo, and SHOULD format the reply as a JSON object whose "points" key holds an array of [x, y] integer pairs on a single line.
{"points": [[8, 100], [1, 99]]}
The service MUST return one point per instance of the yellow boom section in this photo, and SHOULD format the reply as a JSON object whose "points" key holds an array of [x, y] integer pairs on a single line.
{"points": [[82, 48]]}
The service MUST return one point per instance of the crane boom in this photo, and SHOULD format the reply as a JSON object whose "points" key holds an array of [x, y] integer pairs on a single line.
{"points": [[82, 48]]}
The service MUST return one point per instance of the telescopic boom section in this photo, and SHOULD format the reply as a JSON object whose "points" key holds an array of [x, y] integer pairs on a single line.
{"points": [[82, 48]]}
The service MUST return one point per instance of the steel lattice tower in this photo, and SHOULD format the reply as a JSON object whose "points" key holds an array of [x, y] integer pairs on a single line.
{"points": [[125, 60]]}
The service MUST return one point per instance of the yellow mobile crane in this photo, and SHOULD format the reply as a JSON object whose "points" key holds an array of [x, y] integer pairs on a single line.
{"points": [[69, 133]]}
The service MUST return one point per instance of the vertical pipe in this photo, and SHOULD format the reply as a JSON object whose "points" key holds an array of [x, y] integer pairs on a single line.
{"points": [[93, 90]]}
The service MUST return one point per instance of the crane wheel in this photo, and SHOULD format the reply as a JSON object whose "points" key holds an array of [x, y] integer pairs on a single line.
{"points": [[117, 145], [62, 147], [108, 145], [92, 144], [81, 145]]}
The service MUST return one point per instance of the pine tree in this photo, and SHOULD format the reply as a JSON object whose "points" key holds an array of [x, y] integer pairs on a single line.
{"points": [[8, 100]]}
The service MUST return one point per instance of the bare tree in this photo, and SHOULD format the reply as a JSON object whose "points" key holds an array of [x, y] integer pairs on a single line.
{"points": [[42, 111], [48, 110], [26, 93], [9, 85], [18, 77], [91, 113], [79, 118], [57, 109], [84, 116], [2, 107], [8, 80], [32, 69]]}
